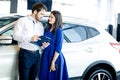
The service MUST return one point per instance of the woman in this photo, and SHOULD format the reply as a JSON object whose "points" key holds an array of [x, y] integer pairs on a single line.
{"points": [[53, 65]]}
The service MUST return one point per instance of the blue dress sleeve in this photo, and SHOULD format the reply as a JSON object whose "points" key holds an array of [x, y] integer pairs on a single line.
{"points": [[59, 40]]}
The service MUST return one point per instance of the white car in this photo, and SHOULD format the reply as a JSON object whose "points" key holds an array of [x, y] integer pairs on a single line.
{"points": [[91, 53]]}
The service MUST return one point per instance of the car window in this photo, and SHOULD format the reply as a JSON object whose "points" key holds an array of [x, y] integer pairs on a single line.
{"points": [[9, 32], [44, 23], [75, 33], [93, 31], [7, 20]]}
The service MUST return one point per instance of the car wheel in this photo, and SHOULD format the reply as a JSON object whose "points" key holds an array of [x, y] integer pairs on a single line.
{"points": [[99, 74]]}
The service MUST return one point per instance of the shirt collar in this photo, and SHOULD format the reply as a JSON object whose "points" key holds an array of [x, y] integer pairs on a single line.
{"points": [[31, 18]]}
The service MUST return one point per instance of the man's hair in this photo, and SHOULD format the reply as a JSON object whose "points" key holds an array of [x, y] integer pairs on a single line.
{"points": [[38, 7]]}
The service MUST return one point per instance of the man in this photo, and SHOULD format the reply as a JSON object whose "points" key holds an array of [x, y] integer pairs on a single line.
{"points": [[27, 30]]}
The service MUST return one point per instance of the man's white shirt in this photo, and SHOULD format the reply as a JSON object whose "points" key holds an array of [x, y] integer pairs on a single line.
{"points": [[26, 28]]}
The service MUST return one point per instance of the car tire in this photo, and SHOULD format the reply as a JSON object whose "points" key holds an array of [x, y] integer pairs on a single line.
{"points": [[99, 74]]}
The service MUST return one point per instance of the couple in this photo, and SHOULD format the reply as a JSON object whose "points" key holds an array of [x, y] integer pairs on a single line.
{"points": [[28, 29]]}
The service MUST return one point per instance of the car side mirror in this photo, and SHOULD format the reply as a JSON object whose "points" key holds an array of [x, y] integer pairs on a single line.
{"points": [[4, 39]]}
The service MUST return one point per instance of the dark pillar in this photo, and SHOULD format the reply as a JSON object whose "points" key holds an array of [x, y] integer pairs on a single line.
{"points": [[110, 28], [13, 6], [118, 27]]}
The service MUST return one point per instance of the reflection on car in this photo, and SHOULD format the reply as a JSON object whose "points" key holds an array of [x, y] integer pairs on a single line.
{"points": [[91, 53]]}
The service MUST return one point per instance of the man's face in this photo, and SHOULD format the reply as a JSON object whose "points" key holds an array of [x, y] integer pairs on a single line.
{"points": [[40, 14]]}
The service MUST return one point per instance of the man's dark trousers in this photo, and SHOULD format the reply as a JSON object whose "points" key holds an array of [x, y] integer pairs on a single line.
{"points": [[29, 64]]}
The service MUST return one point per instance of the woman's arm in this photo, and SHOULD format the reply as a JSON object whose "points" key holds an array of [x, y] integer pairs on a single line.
{"points": [[52, 67], [58, 48]]}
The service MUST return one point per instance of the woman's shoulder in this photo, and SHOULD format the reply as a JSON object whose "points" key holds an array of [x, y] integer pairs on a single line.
{"points": [[59, 30]]}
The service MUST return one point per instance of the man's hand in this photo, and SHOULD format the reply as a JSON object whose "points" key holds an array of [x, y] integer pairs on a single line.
{"points": [[35, 38]]}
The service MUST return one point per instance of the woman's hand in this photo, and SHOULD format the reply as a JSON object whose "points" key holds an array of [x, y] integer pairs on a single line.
{"points": [[45, 44], [52, 67]]}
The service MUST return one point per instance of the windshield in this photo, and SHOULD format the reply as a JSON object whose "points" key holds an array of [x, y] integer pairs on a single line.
{"points": [[7, 20]]}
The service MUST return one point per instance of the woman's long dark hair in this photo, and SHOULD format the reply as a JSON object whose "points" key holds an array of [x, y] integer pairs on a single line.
{"points": [[58, 21]]}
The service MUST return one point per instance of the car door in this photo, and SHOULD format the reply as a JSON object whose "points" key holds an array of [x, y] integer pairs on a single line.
{"points": [[79, 49], [8, 56]]}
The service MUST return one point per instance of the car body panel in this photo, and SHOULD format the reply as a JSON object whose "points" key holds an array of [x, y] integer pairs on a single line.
{"points": [[8, 62]]}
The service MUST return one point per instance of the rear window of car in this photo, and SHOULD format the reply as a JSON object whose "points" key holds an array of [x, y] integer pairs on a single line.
{"points": [[93, 31]]}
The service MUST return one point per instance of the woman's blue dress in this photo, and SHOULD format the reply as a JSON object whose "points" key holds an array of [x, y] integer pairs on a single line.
{"points": [[61, 72]]}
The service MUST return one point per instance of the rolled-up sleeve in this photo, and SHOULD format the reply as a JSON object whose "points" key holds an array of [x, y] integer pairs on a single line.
{"points": [[59, 40]]}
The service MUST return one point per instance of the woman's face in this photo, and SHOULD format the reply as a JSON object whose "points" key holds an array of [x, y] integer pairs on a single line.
{"points": [[51, 19]]}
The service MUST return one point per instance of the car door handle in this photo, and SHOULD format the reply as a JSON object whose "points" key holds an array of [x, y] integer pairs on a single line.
{"points": [[89, 49]]}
